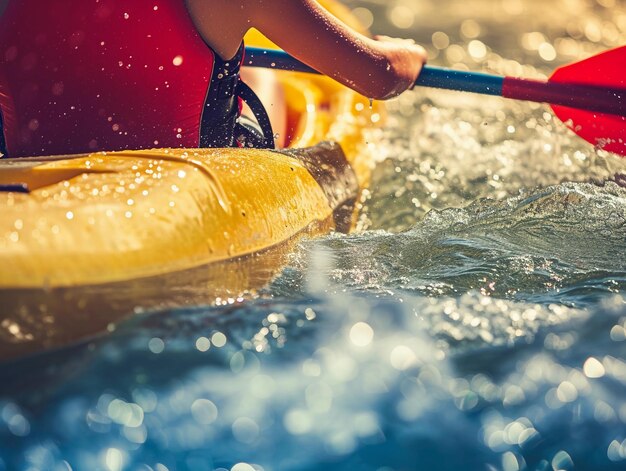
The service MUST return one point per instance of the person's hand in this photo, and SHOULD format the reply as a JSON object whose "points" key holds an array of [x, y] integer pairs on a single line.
{"points": [[406, 57]]}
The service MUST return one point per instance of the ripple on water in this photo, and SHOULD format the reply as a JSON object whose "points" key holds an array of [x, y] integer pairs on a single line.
{"points": [[532, 247]]}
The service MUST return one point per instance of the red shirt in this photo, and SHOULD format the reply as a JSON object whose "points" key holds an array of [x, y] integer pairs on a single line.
{"points": [[87, 75]]}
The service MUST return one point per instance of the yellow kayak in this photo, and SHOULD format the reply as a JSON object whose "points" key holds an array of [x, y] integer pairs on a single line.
{"points": [[86, 240]]}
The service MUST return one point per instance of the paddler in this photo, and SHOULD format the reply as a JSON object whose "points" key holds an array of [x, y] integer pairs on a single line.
{"points": [[88, 75]]}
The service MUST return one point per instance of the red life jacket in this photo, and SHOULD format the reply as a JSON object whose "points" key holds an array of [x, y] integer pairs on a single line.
{"points": [[87, 75]]}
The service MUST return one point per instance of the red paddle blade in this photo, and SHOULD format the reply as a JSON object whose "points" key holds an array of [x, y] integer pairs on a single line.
{"points": [[606, 70]]}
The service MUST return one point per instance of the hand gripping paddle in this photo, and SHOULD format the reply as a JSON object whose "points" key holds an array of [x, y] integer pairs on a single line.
{"points": [[588, 96]]}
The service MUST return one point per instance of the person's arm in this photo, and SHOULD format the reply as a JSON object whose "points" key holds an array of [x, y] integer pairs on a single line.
{"points": [[377, 69]]}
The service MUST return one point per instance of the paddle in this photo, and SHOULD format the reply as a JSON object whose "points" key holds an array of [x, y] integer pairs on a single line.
{"points": [[589, 96]]}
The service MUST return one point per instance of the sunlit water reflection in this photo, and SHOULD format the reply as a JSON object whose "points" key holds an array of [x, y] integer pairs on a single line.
{"points": [[475, 323]]}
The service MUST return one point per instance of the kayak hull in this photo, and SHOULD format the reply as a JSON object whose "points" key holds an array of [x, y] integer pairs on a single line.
{"points": [[207, 241]]}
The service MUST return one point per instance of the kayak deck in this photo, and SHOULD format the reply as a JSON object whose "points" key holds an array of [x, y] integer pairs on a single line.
{"points": [[130, 215]]}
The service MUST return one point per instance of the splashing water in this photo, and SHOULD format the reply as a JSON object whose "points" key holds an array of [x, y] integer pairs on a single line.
{"points": [[476, 322]]}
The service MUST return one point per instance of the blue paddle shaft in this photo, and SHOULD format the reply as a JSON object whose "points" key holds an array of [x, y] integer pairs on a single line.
{"points": [[435, 77], [459, 80]]}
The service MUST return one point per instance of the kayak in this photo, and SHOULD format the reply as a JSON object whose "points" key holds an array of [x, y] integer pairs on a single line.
{"points": [[87, 240]]}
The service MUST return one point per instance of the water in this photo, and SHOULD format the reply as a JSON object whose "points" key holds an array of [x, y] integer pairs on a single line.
{"points": [[476, 321]]}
